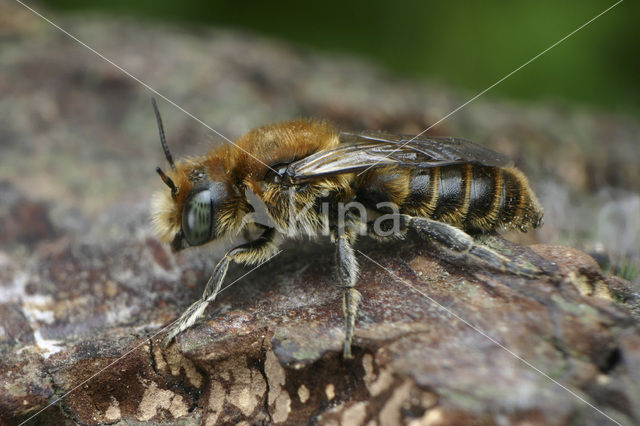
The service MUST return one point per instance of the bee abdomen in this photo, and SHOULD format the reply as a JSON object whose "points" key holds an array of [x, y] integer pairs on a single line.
{"points": [[452, 204], [441, 193], [474, 197], [484, 197], [519, 206], [501, 197]]}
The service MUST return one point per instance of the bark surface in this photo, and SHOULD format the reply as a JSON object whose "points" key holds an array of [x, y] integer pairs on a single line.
{"points": [[84, 284]]}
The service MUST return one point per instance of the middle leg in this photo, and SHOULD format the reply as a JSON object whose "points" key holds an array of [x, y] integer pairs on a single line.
{"points": [[347, 275]]}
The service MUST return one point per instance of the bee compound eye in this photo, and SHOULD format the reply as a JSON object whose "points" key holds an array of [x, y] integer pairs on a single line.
{"points": [[197, 218]]}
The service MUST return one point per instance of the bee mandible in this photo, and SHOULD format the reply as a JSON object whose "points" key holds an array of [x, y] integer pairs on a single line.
{"points": [[310, 180]]}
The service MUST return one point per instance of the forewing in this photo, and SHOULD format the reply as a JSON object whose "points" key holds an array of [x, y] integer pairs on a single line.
{"points": [[361, 151]]}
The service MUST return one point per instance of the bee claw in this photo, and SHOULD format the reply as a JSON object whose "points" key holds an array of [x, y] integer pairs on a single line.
{"points": [[166, 342], [346, 352], [168, 339]]}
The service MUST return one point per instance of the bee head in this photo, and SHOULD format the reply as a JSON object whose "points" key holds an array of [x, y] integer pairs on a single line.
{"points": [[193, 214], [187, 215]]}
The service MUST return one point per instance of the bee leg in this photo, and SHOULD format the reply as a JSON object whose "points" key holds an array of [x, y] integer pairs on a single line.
{"points": [[253, 252], [347, 274], [386, 231], [461, 243]]}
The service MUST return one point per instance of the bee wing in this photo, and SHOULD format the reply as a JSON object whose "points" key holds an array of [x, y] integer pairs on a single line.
{"points": [[360, 151]]}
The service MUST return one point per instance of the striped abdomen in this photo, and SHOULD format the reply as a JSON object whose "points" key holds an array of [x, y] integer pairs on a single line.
{"points": [[473, 197]]}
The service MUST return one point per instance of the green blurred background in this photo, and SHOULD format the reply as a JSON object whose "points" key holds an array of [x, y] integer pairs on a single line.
{"points": [[468, 45]]}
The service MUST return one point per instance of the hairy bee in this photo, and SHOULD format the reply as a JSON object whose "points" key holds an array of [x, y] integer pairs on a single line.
{"points": [[307, 179]]}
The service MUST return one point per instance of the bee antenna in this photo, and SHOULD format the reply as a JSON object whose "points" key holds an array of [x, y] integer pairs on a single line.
{"points": [[167, 180], [163, 140]]}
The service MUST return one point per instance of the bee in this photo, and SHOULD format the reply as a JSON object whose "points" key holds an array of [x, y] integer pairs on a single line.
{"points": [[307, 179]]}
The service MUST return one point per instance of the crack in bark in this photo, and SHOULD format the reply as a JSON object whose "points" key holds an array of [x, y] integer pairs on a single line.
{"points": [[152, 358], [262, 370]]}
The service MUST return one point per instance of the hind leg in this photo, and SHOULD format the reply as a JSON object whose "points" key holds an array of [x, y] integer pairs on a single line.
{"points": [[460, 243]]}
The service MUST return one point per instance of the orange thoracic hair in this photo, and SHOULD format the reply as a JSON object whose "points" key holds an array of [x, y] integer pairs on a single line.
{"points": [[243, 164]]}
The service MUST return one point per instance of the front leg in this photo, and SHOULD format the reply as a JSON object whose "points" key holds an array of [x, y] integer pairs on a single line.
{"points": [[253, 252], [347, 274]]}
